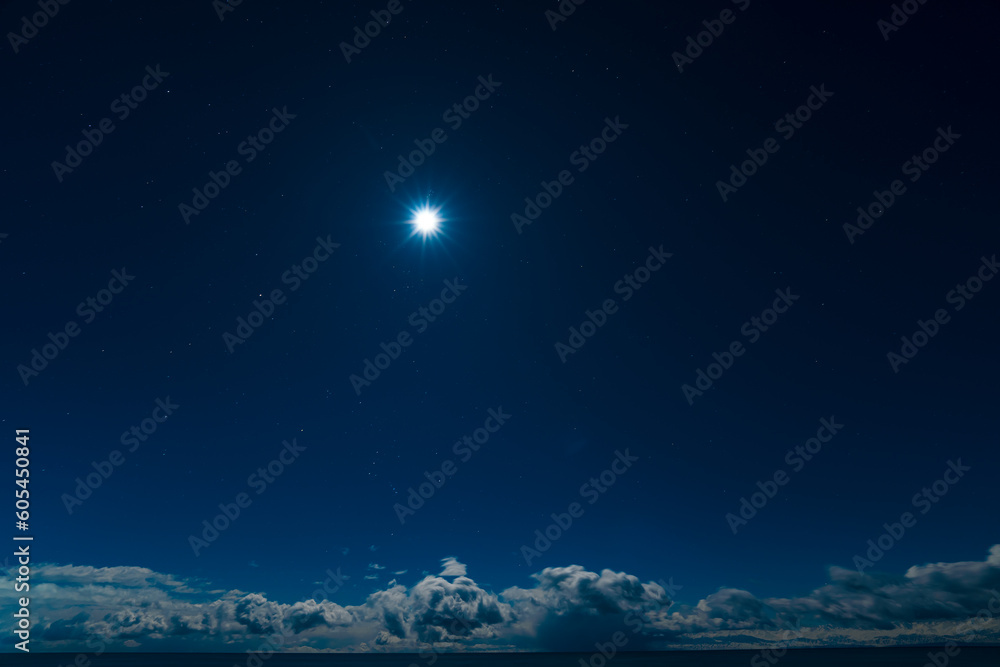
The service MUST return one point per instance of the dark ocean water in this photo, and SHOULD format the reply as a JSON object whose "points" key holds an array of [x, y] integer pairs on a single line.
{"points": [[908, 657]]}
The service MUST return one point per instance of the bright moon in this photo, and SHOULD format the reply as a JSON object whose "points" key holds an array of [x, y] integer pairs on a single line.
{"points": [[426, 220]]}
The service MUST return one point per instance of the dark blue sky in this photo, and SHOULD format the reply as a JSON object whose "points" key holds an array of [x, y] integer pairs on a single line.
{"points": [[640, 139]]}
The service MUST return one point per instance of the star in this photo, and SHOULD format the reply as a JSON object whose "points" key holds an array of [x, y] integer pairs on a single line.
{"points": [[426, 220]]}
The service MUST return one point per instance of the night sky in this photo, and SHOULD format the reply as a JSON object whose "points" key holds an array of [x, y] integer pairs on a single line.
{"points": [[707, 305]]}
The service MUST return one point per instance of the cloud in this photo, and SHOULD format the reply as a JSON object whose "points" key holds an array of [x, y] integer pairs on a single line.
{"points": [[259, 615], [927, 604], [574, 587], [127, 577], [375, 566], [401, 572], [310, 614], [568, 603], [936, 591], [564, 609], [452, 568]]}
